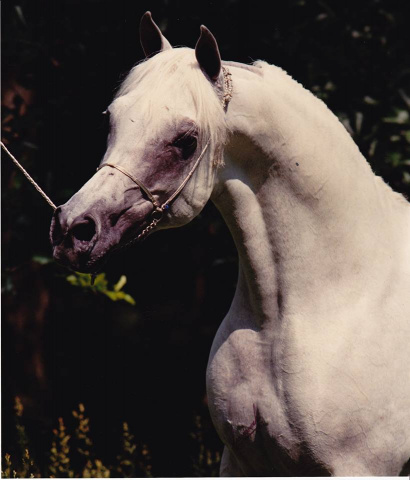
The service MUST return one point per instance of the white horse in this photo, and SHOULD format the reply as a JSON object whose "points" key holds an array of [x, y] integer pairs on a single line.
{"points": [[310, 370]]}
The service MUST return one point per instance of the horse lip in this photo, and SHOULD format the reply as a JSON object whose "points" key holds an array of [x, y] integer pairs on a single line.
{"points": [[110, 236], [93, 265]]}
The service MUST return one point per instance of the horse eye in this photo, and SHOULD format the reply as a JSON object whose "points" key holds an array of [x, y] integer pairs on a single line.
{"points": [[187, 145]]}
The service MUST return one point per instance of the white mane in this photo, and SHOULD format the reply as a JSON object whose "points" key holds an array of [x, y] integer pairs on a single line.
{"points": [[173, 77]]}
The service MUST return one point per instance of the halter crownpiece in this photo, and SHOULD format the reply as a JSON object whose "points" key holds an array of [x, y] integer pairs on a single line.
{"points": [[159, 209], [228, 87]]}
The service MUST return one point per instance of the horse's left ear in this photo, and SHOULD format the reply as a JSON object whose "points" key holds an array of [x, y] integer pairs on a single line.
{"points": [[207, 54], [151, 38]]}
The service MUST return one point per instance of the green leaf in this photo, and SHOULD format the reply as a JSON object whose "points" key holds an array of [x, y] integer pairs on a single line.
{"points": [[406, 178], [83, 280], [72, 279], [129, 299], [112, 295], [394, 158], [370, 100], [121, 282], [20, 15], [401, 117], [41, 259]]}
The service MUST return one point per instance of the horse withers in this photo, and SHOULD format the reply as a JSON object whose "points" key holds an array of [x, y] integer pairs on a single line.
{"points": [[309, 371]]}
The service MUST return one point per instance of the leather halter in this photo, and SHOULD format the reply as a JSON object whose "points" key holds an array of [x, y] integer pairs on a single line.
{"points": [[159, 209]]}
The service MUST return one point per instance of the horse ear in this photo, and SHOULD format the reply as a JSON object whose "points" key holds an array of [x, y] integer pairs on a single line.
{"points": [[151, 38], [207, 54]]}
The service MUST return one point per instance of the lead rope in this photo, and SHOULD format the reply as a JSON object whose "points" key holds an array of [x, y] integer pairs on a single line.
{"points": [[28, 176]]}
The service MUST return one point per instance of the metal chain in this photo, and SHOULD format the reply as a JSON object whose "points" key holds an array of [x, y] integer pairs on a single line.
{"points": [[29, 178]]}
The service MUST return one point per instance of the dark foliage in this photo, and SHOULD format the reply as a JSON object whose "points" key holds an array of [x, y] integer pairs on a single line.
{"points": [[62, 62]]}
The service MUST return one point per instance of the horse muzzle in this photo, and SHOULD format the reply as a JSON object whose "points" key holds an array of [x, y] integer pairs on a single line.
{"points": [[83, 241]]}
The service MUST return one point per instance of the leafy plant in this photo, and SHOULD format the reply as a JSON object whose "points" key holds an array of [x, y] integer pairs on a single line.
{"points": [[25, 467], [59, 453], [130, 459], [92, 467], [63, 462], [99, 284], [72, 455], [206, 462]]}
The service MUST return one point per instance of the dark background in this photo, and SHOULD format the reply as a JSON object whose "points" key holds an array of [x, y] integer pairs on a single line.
{"points": [[61, 64]]}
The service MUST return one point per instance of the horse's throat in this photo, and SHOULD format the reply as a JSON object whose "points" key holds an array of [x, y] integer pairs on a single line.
{"points": [[257, 290]]}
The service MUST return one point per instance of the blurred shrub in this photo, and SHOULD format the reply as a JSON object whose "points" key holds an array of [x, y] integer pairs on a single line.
{"points": [[73, 455], [206, 461]]}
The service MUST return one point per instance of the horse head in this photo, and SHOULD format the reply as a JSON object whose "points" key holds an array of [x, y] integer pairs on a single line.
{"points": [[167, 127]]}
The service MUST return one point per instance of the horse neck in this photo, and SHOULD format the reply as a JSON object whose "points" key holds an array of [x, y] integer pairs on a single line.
{"points": [[304, 208]]}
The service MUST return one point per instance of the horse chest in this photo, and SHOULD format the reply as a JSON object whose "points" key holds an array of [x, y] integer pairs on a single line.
{"points": [[247, 404]]}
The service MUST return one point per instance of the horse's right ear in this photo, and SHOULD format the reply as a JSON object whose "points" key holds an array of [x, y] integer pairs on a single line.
{"points": [[151, 38]]}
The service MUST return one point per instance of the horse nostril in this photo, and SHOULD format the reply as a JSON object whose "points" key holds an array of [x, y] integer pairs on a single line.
{"points": [[84, 231]]}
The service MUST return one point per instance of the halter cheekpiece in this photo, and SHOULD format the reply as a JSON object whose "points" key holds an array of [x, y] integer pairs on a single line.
{"points": [[159, 209]]}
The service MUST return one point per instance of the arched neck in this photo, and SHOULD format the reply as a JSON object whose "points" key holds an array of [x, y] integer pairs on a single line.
{"points": [[297, 195]]}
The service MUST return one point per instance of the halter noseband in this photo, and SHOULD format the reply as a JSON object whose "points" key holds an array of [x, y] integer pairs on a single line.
{"points": [[159, 209]]}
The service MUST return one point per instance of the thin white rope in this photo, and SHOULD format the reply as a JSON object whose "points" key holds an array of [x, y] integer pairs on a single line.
{"points": [[29, 178]]}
